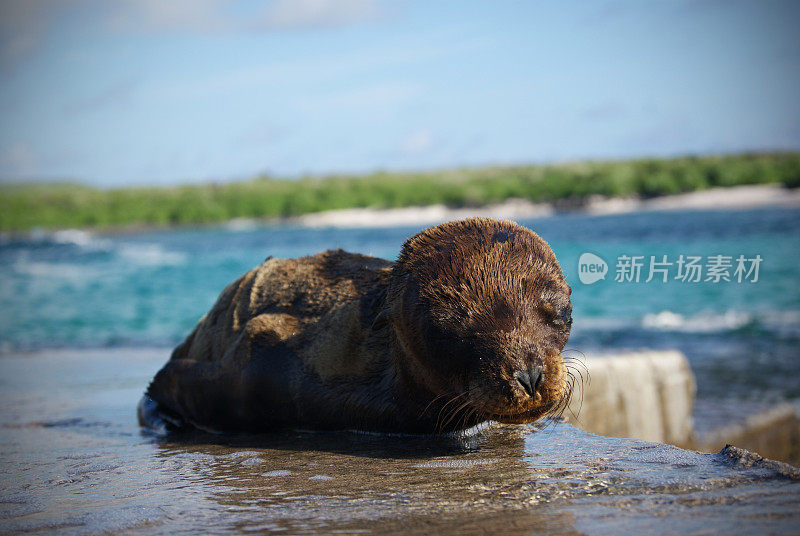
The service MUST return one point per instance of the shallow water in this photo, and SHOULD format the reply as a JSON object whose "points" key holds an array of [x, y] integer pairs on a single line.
{"points": [[73, 289], [73, 461]]}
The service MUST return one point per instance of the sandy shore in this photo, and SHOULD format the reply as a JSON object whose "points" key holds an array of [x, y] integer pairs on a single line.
{"points": [[735, 198]]}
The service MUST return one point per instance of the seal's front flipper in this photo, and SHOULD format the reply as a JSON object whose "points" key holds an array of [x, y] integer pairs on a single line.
{"points": [[201, 394], [153, 416]]}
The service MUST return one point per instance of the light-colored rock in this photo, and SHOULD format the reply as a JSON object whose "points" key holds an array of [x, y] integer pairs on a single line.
{"points": [[649, 395], [644, 395]]}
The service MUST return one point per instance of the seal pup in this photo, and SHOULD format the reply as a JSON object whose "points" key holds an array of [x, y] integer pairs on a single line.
{"points": [[466, 326]]}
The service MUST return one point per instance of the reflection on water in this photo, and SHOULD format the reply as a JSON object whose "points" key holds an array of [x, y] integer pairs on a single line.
{"points": [[73, 461]]}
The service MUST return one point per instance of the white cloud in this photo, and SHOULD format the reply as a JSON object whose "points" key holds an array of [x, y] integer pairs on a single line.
{"points": [[170, 15], [292, 14], [418, 142], [23, 24], [216, 15]]}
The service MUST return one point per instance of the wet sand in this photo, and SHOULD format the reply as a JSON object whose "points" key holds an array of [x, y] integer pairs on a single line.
{"points": [[73, 461]]}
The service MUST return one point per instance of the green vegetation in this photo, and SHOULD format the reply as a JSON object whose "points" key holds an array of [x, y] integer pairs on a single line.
{"points": [[73, 205]]}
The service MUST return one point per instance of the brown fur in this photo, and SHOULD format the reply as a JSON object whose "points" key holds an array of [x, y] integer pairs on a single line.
{"points": [[340, 340]]}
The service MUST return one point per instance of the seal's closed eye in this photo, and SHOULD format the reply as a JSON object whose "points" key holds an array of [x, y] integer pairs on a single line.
{"points": [[560, 317], [563, 318], [382, 319]]}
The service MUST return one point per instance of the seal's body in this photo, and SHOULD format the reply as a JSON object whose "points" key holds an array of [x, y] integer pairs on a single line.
{"points": [[467, 326]]}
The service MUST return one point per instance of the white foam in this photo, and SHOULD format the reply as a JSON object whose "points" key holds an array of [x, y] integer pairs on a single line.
{"points": [[699, 323], [75, 237], [150, 255], [55, 271]]}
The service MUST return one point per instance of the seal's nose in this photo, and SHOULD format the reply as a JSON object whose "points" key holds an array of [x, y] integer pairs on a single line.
{"points": [[529, 379]]}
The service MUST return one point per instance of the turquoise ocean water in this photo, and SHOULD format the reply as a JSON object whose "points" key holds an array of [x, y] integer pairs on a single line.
{"points": [[76, 289]]}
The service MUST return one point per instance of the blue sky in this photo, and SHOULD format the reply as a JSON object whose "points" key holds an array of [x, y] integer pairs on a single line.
{"points": [[155, 92]]}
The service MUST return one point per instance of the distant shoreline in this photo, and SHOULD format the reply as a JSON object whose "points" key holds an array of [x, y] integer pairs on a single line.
{"points": [[730, 198], [406, 198], [746, 197]]}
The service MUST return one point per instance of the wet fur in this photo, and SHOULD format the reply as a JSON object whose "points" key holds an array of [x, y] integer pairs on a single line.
{"points": [[340, 340]]}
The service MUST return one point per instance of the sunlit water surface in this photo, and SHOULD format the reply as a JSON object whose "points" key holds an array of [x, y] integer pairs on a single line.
{"points": [[73, 461]]}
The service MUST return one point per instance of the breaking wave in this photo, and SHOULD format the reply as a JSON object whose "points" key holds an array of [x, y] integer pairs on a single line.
{"points": [[781, 322], [150, 255], [84, 240], [699, 323]]}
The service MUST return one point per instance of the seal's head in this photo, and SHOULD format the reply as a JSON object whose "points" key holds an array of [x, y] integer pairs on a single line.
{"points": [[481, 311]]}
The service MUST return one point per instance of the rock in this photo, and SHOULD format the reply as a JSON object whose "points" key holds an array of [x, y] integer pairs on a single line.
{"points": [[644, 395], [649, 395], [774, 433], [745, 458]]}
